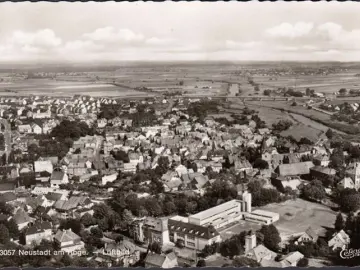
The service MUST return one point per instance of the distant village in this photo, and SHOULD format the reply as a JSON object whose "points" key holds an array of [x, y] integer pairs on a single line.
{"points": [[167, 182]]}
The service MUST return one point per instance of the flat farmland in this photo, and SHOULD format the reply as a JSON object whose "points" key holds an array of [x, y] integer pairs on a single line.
{"points": [[64, 88], [328, 84]]}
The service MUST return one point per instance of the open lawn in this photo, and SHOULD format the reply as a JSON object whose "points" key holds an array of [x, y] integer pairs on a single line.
{"points": [[297, 215], [299, 131], [271, 116]]}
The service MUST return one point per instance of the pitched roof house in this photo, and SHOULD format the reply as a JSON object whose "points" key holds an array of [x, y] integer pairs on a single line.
{"points": [[308, 236], [292, 259], [161, 260], [68, 240], [339, 240], [58, 177], [21, 218], [37, 232]]}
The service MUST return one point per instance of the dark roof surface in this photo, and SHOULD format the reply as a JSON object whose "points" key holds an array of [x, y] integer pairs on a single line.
{"points": [[192, 229]]}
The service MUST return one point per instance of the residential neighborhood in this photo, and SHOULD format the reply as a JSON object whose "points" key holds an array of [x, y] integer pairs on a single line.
{"points": [[179, 134], [164, 184]]}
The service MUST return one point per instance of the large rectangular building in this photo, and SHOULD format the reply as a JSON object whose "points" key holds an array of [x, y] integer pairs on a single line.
{"points": [[191, 235], [223, 214]]}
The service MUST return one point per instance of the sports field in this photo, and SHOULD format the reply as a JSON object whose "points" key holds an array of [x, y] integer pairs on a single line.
{"points": [[295, 217]]}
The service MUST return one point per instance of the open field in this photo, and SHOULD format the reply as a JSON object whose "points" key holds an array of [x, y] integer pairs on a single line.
{"points": [[286, 105], [304, 128], [297, 215], [63, 88], [328, 84], [198, 78], [299, 131], [271, 116]]}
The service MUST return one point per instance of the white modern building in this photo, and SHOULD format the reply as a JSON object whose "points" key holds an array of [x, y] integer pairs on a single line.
{"points": [[262, 217], [223, 214]]}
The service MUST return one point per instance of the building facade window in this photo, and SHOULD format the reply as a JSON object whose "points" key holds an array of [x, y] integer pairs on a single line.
{"points": [[190, 244]]}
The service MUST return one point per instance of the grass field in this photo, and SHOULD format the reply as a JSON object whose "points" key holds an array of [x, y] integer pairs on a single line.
{"points": [[297, 215], [271, 116]]}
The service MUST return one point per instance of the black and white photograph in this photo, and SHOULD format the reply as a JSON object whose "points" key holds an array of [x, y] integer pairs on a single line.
{"points": [[179, 134]]}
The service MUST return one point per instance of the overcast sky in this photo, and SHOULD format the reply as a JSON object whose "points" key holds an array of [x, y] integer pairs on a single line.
{"points": [[109, 31]]}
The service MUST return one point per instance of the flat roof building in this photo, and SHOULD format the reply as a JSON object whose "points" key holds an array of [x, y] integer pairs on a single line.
{"points": [[262, 217], [223, 214]]}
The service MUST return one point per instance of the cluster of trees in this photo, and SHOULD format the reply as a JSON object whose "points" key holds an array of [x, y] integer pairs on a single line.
{"points": [[120, 155], [310, 249], [282, 125], [261, 164], [309, 92], [48, 147], [203, 108], [2, 142], [8, 228], [161, 205], [314, 191], [291, 92], [3, 160], [72, 129], [348, 200], [109, 111], [345, 114], [342, 91], [267, 92], [259, 123], [337, 158], [262, 196]]}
